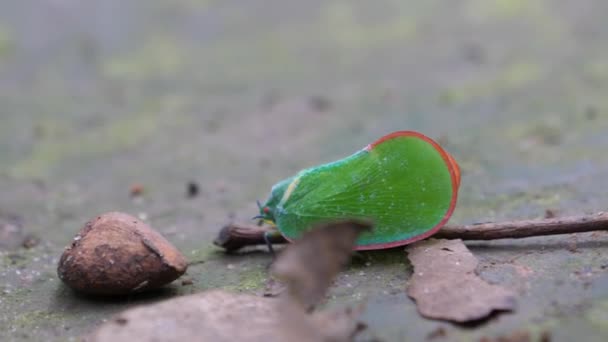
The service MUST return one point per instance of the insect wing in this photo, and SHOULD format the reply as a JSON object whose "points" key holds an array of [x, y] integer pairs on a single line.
{"points": [[405, 183]]}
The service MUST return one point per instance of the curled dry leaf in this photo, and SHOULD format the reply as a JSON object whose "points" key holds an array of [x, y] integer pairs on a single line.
{"points": [[117, 254], [310, 264], [445, 285]]}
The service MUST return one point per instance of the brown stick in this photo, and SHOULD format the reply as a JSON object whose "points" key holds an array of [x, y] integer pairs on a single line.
{"points": [[235, 236], [525, 228]]}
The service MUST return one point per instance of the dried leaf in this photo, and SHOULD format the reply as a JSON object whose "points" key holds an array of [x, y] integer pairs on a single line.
{"points": [[218, 315], [309, 265], [208, 316], [445, 285]]}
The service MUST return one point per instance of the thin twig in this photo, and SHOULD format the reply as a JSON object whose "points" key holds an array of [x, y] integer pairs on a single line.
{"points": [[525, 228], [235, 236]]}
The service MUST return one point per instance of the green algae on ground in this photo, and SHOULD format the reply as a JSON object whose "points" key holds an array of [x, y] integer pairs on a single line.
{"points": [[245, 277], [204, 254], [250, 280], [549, 131], [20, 258], [34, 320], [120, 134], [159, 57], [598, 315], [514, 76], [212, 268], [341, 22], [387, 257], [5, 43]]}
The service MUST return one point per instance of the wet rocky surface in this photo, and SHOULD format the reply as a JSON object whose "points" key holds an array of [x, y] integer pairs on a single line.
{"points": [[98, 96]]}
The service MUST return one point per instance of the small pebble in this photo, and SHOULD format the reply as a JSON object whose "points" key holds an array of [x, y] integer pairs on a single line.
{"points": [[30, 241], [192, 190], [136, 190]]}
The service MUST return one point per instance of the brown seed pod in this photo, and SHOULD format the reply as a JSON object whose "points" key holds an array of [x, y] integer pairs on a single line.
{"points": [[117, 254]]}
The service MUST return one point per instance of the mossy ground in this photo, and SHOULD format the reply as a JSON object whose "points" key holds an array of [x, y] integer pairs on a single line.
{"points": [[97, 96]]}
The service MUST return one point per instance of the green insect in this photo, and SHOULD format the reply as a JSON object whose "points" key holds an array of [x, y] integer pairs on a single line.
{"points": [[404, 182]]}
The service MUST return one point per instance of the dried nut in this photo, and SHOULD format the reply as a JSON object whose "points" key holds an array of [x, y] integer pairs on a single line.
{"points": [[118, 254]]}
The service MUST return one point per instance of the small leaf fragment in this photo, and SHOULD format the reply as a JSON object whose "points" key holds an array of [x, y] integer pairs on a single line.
{"points": [[273, 288], [445, 285]]}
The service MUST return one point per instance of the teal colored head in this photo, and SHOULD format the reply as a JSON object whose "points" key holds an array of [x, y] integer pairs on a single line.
{"points": [[268, 210]]}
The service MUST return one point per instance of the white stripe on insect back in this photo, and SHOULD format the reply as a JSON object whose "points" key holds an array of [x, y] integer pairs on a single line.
{"points": [[290, 188]]}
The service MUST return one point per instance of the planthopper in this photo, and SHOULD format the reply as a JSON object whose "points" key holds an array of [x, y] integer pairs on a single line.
{"points": [[404, 182]]}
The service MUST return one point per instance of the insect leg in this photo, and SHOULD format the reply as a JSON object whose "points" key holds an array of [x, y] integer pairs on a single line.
{"points": [[268, 236]]}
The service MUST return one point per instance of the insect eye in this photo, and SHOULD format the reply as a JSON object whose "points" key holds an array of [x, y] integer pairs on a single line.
{"points": [[266, 210]]}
